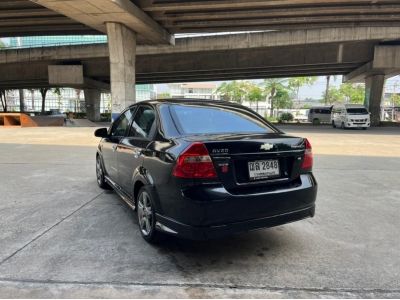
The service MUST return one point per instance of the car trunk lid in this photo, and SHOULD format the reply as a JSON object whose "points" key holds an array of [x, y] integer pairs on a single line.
{"points": [[244, 162]]}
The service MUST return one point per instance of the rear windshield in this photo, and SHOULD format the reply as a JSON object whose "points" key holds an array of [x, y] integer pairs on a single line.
{"points": [[192, 119], [357, 111]]}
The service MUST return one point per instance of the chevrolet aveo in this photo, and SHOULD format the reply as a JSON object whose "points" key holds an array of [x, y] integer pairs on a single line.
{"points": [[204, 169]]}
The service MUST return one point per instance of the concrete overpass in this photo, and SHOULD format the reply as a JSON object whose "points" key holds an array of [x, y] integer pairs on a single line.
{"points": [[132, 26], [44, 17], [234, 56]]}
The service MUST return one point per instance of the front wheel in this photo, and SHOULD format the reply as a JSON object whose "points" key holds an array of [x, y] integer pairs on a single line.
{"points": [[333, 124], [100, 175], [343, 126], [147, 217]]}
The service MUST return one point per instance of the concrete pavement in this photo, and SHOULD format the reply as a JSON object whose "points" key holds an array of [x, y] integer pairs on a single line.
{"points": [[61, 236]]}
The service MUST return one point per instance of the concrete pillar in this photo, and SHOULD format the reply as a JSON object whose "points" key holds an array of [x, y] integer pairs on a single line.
{"points": [[122, 48], [92, 102], [374, 85]]}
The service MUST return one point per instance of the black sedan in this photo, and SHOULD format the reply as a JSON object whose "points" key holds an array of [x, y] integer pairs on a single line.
{"points": [[204, 169]]}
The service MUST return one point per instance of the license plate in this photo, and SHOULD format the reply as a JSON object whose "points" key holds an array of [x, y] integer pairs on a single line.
{"points": [[263, 169]]}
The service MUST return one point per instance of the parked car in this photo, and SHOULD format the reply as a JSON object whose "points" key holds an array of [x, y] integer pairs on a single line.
{"points": [[204, 169], [350, 116], [320, 114]]}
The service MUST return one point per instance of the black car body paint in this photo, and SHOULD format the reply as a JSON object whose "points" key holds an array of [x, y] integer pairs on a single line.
{"points": [[202, 208]]}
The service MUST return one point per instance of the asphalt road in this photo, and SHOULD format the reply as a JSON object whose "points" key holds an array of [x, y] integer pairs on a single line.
{"points": [[61, 236]]}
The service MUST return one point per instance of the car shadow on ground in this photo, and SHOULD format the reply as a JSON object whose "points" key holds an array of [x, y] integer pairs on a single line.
{"points": [[191, 257]]}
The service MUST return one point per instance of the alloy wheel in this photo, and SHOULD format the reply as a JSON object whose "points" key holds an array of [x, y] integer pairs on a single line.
{"points": [[99, 171], [145, 214]]}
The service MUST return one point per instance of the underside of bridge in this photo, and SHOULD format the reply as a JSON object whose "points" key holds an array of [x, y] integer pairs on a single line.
{"points": [[24, 17], [309, 37]]}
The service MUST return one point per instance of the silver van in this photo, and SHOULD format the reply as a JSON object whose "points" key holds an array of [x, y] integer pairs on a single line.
{"points": [[320, 114]]}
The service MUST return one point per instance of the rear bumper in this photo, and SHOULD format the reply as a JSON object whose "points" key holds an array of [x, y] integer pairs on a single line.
{"points": [[204, 212], [211, 232]]}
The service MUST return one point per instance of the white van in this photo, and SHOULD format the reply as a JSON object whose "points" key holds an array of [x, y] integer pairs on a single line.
{"points": [[350, 116], [320, 114]]}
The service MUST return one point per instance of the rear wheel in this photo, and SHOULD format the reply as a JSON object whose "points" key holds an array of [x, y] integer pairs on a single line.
{"points": [[316, 122], [100, 174], [146, 216]]}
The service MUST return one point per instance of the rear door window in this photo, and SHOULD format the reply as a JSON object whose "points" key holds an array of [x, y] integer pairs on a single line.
{"points": [[143, 124], [193, 119]]}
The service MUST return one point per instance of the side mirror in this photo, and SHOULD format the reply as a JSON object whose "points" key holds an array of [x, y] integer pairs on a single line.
{"points": [[101, 133]]}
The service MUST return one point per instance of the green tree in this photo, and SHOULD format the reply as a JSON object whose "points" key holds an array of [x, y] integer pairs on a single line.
{"points": [[327, 89], [395, 98], [43, 92], [271, 86], [353, 93], [164, 95], [232, 91], [298, 82], [254, 93], [334, 96], [78, 93], [58, 91], [3, 99], [282, 98]]}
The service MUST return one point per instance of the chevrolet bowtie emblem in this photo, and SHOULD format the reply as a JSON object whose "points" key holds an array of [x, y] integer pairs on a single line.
{"points": [[267, 147]]}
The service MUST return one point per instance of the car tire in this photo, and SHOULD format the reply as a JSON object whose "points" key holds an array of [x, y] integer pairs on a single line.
{"points": [[343, 126], [101, 181], [364, 128], [147, 217], [316, 122], [333, 124]]}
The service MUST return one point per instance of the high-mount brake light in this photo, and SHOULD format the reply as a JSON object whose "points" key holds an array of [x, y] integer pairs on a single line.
{"points": [[308, 156], [195, 162]]}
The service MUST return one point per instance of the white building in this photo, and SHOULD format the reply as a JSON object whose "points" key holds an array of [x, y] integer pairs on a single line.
{"points": [[201, 90]]}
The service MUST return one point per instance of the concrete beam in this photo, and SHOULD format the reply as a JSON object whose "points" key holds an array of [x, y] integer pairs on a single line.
{"points": [[314, 59], [91, 83], [177, 6], [96, 14], [212, 43], [70, 75], [386, 62]]}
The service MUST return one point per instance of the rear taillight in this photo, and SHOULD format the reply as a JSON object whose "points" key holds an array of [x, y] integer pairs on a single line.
{"points": [[308, 156], [195, 162]]}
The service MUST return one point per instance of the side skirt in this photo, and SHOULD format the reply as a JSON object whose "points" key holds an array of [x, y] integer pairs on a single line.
{"points": [[121, 193]]}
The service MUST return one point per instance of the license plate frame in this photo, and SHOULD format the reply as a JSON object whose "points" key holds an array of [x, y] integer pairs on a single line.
{"points": [[264, 169]]}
